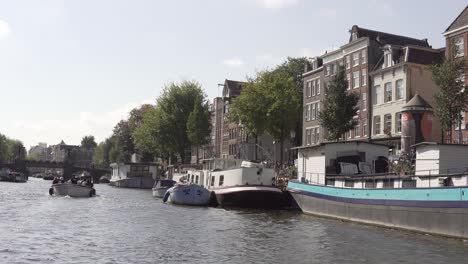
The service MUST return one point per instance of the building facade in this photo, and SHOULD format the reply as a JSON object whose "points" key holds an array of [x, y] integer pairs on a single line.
{"points": [[400, 74], [456, 36], [359, 56]]}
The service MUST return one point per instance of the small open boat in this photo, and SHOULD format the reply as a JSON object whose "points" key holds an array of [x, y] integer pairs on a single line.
{"points": [[72, 190], [187, 194], [161, 186]]}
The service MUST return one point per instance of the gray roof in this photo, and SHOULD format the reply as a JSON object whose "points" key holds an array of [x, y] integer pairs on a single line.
{"points": [[417, 103], [460, 21], [387, 38], [234, 87]]}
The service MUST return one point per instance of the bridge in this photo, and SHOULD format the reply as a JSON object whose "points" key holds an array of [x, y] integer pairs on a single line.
{"points": [[68, 168]]}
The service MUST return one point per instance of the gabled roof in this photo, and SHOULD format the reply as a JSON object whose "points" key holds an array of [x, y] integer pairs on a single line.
{"points": [[386, 38], [413, 54], [460, 21]]}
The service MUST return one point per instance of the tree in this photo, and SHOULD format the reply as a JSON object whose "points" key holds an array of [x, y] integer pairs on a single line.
{"points": [[5, 154], [102, 154], [123, 142], [164, 128], [88, 142], [339, 107], [198, 124], [452, 97], [250, 110]]}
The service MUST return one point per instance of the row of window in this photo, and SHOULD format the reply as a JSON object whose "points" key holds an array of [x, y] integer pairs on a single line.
{"points": [[371, 184], [359, 79], [387, 124], [459, 45], [220, 182], [313, 87], [312, 135], [389, 94], [312, 111], [358, 57]]}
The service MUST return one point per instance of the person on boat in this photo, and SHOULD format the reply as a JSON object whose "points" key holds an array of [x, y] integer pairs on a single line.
{"points": [[74, 180], [62, 180], [56, 180]]}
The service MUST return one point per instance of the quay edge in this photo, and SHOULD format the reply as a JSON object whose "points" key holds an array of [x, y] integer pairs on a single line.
{"points": [[440, 217]]}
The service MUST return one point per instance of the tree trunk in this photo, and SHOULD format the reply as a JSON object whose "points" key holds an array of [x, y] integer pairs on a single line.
{"points": [[460, 134], [255, 149], [450, 133], [197, 153], [281, 152]]}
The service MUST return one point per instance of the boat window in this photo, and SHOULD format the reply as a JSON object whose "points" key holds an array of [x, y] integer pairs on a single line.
{"points": [[349, 183], [408, 183], [221, 180], [330, 182], [196, 179], [370, 184], [212, 180], [191, 180], [388, 183]]}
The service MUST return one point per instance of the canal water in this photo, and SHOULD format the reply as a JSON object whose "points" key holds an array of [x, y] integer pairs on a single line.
{"points": [[130, 226]]}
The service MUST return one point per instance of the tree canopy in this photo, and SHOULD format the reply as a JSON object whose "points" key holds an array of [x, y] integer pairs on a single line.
{"points": [[339, 107], [452, 97], [88, 142], [11, 150]]}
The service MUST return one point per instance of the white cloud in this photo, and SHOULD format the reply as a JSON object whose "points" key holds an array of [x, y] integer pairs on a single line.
{"points": [[72, 130], [327, 13], [4, 29], [234, 62], [277, 4]]}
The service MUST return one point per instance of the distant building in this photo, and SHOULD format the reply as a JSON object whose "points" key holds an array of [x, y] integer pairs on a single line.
{"points": [[456, 34], [80, 157], [39, 152]]}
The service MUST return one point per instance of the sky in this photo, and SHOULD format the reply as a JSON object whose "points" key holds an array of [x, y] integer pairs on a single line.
{"points": [[72, 68]]}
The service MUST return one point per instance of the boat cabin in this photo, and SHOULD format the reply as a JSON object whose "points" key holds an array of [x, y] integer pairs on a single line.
{"points": [[134, 174], [317, 162]]}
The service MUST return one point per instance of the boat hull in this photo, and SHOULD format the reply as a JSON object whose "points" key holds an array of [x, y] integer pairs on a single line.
{"points": [[191, 194], [72, 190], [444, 217], [159, 192], [135, 182], [267, 197]]}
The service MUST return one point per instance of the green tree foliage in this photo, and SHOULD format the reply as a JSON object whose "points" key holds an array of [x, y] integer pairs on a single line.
{"points": [[11, 150], [452, 97], [88, 142], [102, 154], [198, 124], [123, 142], [164, 129], [339, 107]]}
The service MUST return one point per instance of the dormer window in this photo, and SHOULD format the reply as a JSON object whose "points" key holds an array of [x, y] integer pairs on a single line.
{"points": [[388, 62], [353, 36]]}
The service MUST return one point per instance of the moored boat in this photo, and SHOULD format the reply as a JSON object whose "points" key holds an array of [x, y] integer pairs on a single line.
{"points": [[249, 185], [187, 194], [161, 186]]}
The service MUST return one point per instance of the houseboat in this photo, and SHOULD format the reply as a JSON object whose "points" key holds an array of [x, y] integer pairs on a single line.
{"points": [[12, 176], [350, 181], [240, 183], [134, 175]]}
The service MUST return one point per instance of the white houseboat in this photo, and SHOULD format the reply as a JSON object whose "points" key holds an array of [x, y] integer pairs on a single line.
{"points": [[134, 175]]}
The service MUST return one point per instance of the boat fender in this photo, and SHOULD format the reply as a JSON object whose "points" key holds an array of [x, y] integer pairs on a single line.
{"points": [[166, 197], [259, 171], [51, 191]]}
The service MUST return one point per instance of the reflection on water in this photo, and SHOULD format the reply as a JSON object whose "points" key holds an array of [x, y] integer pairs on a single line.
{"points": [[130, 226]]}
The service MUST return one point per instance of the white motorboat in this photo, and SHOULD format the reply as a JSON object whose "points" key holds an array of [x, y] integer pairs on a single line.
{"points": [[161, 186], [72, 190], [187, 194]]}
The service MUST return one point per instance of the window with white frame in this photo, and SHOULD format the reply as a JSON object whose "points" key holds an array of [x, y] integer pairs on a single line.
{"points": [[399, 89], [348, 78], [356, 79], [313, 111], [376, 125], [317, 135], [348, 62], [376, 95], [388, 59], [313, 88], [356, 59], [459, 45], [388, 92], [332, 69], [317, 110], [398, 122], [363, 56], [327, 70], [308, 131], [309, 88], [388, 123], [308, 112], [357, 130], [364, 76], [317, 86], [364, 101]]}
